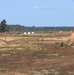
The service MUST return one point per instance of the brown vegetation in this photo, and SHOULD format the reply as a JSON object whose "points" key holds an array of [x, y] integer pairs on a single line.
{"points": [[35, 56]]}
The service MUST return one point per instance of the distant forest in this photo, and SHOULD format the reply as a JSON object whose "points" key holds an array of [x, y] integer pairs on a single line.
{"points": [[19, 28], [4, 27]]}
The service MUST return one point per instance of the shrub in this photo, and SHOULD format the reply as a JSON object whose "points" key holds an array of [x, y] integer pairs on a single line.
{"points": [[62, 44]]}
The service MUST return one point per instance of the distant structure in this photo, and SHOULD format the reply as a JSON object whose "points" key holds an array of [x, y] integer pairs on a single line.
{"points": [[32, 32], [60, 31], [25, 33], [28, 33]]}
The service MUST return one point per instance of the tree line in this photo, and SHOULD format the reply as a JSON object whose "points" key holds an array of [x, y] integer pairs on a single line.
{"points": [[4, 27]]}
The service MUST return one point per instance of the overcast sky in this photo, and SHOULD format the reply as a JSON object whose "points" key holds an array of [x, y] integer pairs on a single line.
{"points": [[38, 12]]}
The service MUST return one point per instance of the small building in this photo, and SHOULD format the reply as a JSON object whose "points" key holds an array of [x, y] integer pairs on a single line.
{"points": [[60, 32], [29, 32], [32, 32], [25, 33]]}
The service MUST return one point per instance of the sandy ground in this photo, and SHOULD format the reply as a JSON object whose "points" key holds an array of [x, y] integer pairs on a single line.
{"points": [[4, 40], [9, 38]]}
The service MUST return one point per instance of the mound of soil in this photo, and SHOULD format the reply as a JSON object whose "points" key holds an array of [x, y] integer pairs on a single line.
{"points": [[70, 40]]}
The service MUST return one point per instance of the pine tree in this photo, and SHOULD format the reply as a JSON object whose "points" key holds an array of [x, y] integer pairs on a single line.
{"points": [[3, 26]]}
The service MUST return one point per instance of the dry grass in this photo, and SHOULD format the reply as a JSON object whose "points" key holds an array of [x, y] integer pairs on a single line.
{"points": [[31, 55]]}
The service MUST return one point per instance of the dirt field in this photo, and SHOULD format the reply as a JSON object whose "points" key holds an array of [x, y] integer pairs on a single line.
{"points": [[35, 55]]}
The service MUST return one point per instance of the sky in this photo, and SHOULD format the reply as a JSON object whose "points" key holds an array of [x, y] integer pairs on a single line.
{"points": [[38, 12]]}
